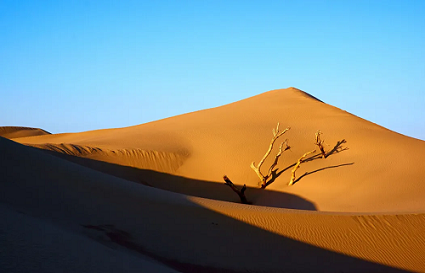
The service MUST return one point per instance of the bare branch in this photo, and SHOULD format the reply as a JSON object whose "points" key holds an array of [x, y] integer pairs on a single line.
{"points": [[319, 143], [276, 135], [300, 160], [239, 192], [338, 148], [287, 147]]}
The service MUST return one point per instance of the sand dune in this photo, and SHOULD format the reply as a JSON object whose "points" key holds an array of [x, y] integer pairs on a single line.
{"points": [[380, 172], [15, 132], [359, 210]]}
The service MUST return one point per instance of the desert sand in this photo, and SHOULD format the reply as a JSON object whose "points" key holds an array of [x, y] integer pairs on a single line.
{"points": [[151, 198]]}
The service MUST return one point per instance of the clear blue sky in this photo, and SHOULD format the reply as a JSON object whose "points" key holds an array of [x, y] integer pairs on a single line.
{"points": [[70, 66]]}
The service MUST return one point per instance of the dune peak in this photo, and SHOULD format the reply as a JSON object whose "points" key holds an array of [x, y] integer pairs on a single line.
{"points": [[301, 93]]}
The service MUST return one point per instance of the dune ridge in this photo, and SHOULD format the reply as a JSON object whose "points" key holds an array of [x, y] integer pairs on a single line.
{"points": [[16, 131], [137, 158]]}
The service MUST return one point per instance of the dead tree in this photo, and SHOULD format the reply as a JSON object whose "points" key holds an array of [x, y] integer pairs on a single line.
{"points": [[276, 135], [239, 192], [300, 160], [319, 143]]}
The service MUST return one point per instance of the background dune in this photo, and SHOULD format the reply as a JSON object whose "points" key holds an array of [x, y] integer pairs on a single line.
{"points": [[15, 132], [82, 187]]}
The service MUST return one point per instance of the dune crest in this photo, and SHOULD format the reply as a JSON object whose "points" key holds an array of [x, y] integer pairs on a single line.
{"points": [[299, 92], [137, 158]]}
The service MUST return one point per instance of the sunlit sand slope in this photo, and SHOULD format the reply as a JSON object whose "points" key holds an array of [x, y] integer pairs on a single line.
{"points": [[377, 170], [15, 132], [186, 233]]}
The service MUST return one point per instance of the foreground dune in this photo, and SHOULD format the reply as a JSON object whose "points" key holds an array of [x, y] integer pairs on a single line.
{"points": [[359, 210]]}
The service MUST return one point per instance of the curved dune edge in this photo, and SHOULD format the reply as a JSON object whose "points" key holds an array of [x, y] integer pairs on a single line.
{"points": [[190, 233], [17, 132]]}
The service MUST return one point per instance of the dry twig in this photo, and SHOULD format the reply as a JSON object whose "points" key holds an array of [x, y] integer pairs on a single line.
{"points": [[301, 160], [319, 143]]}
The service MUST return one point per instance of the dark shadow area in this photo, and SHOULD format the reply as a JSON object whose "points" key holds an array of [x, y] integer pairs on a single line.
{"points": [[188, 186], [336, 149], [173, 233], [308, 95]]}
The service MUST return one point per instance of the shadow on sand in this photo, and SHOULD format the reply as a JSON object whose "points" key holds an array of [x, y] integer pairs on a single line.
{"points": [[188, 186]]}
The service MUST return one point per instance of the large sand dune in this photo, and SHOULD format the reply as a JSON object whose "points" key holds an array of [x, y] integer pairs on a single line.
{"points": [[380, 172], [154, 192]]}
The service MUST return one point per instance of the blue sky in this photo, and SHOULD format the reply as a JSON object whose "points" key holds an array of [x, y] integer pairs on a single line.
{"points": [[70, 66]]}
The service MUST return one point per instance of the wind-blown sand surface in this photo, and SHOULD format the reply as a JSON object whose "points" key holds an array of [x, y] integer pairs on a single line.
{"points": [[151, 197]]}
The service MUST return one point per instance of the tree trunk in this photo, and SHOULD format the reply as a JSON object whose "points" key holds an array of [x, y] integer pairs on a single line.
{"points": [[239, 192]]}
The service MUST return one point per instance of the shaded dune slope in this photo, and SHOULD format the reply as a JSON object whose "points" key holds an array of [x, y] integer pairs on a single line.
{"points": [[15, 132], [379, 171], [192, 234]]}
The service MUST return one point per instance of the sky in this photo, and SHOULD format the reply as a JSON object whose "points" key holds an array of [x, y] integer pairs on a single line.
{"points": [[72, 66]]}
